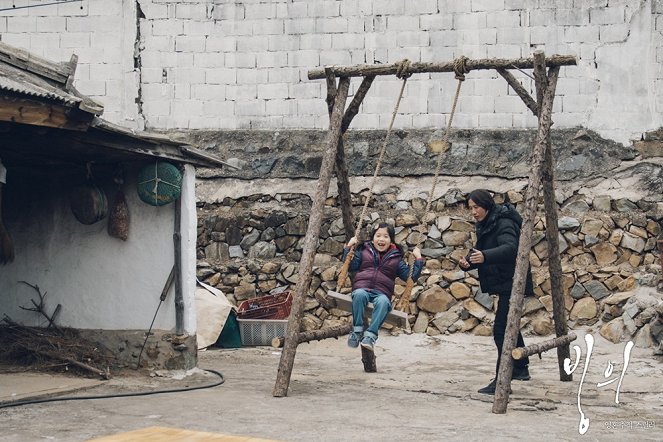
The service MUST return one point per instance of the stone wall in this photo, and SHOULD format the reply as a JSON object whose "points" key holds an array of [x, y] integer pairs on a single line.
{"points": [[162, 350], [252, 220], [251, 245]]}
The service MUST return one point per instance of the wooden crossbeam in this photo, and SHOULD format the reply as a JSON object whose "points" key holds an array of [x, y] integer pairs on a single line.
{"points": [[366, 70]]}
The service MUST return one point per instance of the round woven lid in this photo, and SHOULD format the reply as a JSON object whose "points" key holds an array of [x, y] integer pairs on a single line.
{"points": [[159, 183]]}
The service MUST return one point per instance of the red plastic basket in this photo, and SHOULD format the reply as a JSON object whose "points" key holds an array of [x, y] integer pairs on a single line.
{"points": [[266, 307]]}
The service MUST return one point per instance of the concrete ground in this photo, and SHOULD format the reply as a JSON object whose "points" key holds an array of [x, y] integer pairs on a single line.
{"points": [[425, 390]]}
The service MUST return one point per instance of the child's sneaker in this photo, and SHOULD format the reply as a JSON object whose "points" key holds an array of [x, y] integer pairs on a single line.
{"points": [[368, 342], [353, 339]]}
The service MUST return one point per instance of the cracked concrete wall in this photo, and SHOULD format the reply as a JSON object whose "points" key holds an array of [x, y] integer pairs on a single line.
{"points": [[630, 69], [205, 64]]}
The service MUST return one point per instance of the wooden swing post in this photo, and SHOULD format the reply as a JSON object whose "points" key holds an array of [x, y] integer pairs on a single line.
{"points": [[555, 262], [552, 230], [311, 243], [334, 157], [344, 194], [547, 92]]}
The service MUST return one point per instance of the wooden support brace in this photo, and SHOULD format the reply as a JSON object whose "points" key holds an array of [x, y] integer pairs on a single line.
{"points": [[368, 70], [344, 194], [311, 243], [316, 335], [343, 181], [552, 232], [550, 207], [555, 261], [358, 98], [520, 90], [529, 350], [331, 91], [522, 260]]}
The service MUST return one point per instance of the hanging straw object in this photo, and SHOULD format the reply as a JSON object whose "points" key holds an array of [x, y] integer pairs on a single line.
{"points": [[6, 243], [118, 219]]}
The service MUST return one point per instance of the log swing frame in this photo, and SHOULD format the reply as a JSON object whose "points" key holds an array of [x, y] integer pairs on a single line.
{"points": [[542, 172]]}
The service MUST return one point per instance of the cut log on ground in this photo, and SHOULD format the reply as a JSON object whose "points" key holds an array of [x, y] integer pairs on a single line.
{"points": [[523, 352]]}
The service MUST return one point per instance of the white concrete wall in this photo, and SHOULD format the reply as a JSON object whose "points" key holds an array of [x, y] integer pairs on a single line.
{"points": [[101, 282], [189, 232], [210, 64]]}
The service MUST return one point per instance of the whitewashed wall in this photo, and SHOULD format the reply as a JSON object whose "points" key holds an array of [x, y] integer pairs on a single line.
{"points": [[101, 281], [227, 64]]}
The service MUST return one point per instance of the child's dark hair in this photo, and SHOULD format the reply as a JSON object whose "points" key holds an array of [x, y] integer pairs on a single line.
{"points": [[390, 231], [481, 198]]}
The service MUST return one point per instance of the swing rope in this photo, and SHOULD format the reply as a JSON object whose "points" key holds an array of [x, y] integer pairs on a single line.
{"points": [[402, 72], [460, 70]]}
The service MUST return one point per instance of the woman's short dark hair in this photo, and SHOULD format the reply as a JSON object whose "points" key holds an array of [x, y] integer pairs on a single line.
{"points": [[390, 230], [481, 198]]}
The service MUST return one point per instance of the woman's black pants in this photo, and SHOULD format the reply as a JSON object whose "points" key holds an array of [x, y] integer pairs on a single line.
{"points": [[499, 327]]}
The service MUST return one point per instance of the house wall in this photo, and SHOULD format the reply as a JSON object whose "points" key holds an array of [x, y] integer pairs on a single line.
{"points": [[168, 64], [101, 282]]}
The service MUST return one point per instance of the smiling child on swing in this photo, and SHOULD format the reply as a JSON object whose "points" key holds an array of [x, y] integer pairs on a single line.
{"points": [[377, 263]]}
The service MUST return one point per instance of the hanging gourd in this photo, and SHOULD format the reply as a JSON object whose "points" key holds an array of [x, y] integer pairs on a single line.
{"points": [[88, 202], [159, 183]]}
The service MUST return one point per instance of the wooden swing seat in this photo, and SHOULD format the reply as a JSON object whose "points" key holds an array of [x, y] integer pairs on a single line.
{"points": [[396, 318]]}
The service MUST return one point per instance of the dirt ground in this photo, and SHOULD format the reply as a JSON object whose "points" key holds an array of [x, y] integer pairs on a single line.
{"points": [[425, 390]]}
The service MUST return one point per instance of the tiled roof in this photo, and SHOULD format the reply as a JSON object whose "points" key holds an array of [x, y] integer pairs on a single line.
{"points": [[15, 80], [24, 73]]}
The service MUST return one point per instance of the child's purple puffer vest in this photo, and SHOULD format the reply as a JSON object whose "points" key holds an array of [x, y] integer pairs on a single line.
{"points": [[376, 274]]}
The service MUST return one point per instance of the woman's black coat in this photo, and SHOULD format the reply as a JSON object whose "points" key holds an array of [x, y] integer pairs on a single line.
{"points": [[497, 238]]}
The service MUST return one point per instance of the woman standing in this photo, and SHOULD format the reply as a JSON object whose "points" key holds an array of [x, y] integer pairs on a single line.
{"points": [[498, 232], [378, 263]]}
